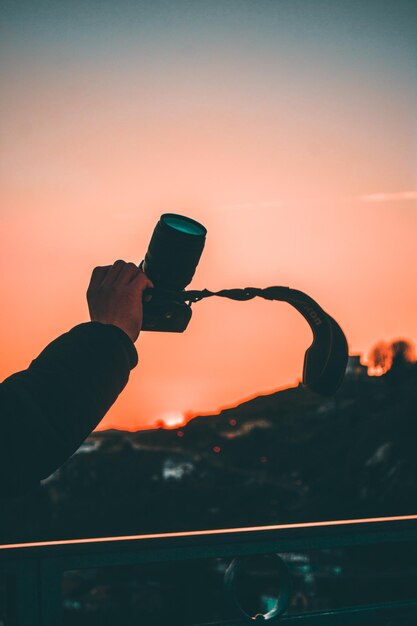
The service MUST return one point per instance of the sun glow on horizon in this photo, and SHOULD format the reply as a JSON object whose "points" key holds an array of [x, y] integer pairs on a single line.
{"points": [[171, 419]]}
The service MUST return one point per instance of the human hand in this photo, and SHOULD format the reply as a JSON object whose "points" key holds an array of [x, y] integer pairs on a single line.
{"points": [[115, 295]]}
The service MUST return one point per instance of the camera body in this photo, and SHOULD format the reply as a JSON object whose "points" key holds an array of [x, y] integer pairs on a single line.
{"points": [[164, 315], [170, 262]]}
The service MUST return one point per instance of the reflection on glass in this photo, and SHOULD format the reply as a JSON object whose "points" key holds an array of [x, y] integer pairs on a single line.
{"points": [[194, 592]]}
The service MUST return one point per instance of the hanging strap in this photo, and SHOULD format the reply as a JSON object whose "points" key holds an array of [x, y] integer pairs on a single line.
{"points": [[325, 360], [308, 307]]}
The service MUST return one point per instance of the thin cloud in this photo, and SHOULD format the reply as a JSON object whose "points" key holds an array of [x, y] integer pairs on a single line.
{"points": [[388, 197]]}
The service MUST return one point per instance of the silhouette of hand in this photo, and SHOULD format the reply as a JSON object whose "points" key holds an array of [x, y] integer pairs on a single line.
{"points": [[115, 295]]}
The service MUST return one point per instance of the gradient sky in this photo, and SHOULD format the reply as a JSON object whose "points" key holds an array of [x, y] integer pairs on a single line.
{"points": [[288, 128]]}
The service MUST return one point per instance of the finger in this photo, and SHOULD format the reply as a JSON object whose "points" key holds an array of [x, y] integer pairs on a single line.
{"points": [[114, 272], [129, 273], [142, 280], [143, 283], [98, 275], [147, 297]]}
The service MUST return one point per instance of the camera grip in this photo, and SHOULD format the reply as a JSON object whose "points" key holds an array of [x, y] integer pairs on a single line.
{"points": [[166, 316]]}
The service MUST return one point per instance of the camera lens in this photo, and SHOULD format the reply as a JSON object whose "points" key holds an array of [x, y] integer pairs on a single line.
{"points": [[183, 224], [174, 251]]}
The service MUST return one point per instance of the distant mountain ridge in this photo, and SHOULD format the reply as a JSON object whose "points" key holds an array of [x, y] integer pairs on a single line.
{"points": [[285, 457], [353, 454]]}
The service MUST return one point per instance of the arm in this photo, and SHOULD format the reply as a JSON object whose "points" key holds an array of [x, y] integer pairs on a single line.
{"points": [[50, 408]]}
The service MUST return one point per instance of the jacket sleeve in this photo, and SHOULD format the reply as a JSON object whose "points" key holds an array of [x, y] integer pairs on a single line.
{"points": [[48, 410]]}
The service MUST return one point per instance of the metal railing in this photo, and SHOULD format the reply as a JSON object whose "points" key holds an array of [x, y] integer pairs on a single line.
{"points": [[34, 571]]}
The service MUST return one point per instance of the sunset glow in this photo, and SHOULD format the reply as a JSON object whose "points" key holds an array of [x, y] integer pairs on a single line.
{"points": [[293, 141], [172, 420]]}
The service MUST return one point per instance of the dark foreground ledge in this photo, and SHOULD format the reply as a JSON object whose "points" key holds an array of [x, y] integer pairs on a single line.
{"points": [[32, 574]]}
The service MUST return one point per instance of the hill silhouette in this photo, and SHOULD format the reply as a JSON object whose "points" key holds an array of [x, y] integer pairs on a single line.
{"points": [[350, 456], [285, 457]]}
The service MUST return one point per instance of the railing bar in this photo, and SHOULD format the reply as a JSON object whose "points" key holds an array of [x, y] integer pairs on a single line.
{"points": [[339, 617], [352, 614], [207, 547], [141, 554], [299, 538]]}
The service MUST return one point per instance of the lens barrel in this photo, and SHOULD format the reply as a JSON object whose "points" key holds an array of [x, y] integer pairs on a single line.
{"points": [[174, 251]]}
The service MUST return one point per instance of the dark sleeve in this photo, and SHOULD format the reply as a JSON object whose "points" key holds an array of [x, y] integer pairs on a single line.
{"points": [[48, 410]]}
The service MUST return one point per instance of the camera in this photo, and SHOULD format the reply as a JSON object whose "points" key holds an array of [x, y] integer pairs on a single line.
{"points": [[170, 262]]}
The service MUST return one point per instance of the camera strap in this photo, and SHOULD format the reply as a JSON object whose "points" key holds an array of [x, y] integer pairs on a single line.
{"points": [[325, 360], [309, 309]]}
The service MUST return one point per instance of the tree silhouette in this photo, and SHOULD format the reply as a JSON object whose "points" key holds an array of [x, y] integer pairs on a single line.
{"points": [[397, 355], [380, 358], [403, 350]]}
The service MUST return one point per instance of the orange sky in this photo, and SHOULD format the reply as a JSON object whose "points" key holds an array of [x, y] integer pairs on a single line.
{"points": [[299, 158]]}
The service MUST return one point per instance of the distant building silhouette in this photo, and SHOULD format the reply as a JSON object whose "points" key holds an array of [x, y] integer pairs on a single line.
{"points": [[355, 369]]}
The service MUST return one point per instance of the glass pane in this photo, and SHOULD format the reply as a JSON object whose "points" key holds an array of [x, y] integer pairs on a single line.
{"points": [[322, 580]]}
